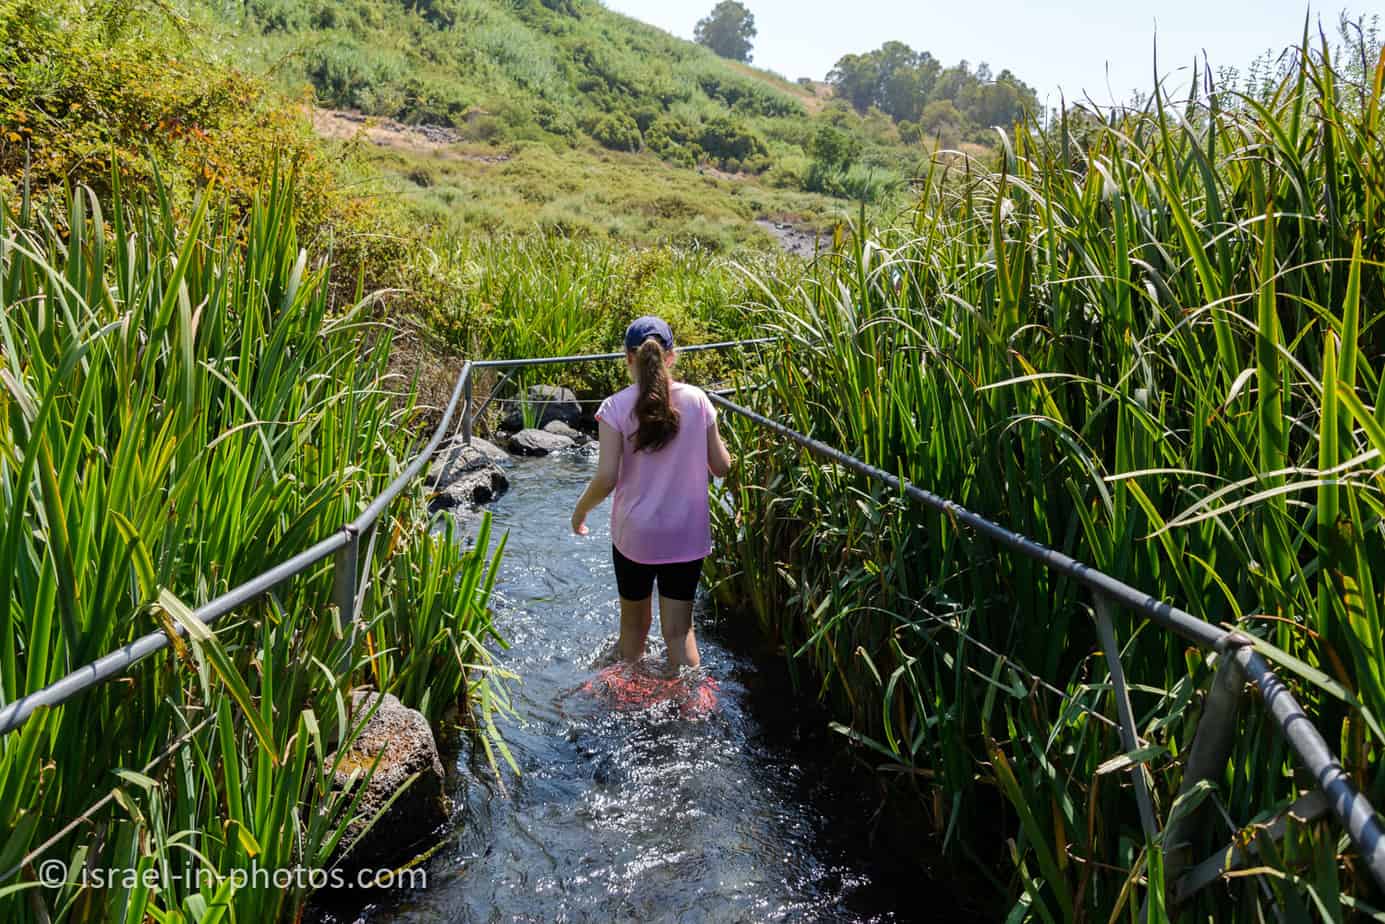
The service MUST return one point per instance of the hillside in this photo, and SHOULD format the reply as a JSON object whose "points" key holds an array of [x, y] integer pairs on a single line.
{"points": [[563, 115], [533, 70]]}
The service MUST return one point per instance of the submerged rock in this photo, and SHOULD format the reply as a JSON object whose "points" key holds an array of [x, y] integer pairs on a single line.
{"points": [[538, 442], [464, 474], [404, 743], [544, 403], [561, 429]]}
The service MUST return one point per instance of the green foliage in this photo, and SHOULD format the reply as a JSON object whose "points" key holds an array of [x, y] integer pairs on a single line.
{"points": [[513, 296], [728, 30], [731, 144], [834, 148], [106, 92], [941, 119], [618, 132], [585, 193], [501, 73], [746, 95], [185, 406], [673, 140], [904, 84], [836, 171], [1145, 348]]}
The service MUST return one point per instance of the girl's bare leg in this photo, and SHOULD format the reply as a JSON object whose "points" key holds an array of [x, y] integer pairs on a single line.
{"points": [[635, 618], [676, 622]]}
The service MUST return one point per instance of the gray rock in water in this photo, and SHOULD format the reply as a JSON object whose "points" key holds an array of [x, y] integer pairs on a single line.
{"points": [[562, 429], [464, 474], [544, 403], [487, 449], [538, 443], [404, 742], [478, 486]]}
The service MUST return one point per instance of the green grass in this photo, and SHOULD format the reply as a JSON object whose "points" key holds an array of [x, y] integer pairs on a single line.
{"points": [[568, 77], [1155, 346], [183, 407], [615, 196]]}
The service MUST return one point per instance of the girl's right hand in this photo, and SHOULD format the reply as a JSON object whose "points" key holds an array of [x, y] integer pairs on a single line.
{"points": [[579, 523]]}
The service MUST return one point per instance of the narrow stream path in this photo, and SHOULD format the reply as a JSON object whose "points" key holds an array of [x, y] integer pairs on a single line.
{"points": [[638, 813]]}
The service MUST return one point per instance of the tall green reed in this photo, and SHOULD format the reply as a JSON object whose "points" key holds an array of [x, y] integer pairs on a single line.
{"points": [[1153, 345], [508, 297], [183, 408]]}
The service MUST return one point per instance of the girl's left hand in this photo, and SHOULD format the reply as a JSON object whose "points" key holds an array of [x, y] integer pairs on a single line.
{"points": [[579, 523]]}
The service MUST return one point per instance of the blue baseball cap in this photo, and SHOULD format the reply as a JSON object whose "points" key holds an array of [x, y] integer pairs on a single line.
{"points": [[641, 329]]}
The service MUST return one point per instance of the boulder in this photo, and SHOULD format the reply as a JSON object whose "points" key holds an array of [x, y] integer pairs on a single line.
{"points": [[454, 457], [561, 429], [479, 486], [544, 403], [464, 474], [538, 443], [400, 736]]}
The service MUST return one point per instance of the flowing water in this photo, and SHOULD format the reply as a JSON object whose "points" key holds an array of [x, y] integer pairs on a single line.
{"points": [[657, 810]]}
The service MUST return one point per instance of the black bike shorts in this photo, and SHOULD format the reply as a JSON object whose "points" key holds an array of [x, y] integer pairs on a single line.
{"points": [[635, 581]]}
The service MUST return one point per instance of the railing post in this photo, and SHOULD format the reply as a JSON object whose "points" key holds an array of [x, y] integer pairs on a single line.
{"points": [[466, 411], [1207, 757], [344, 566], [1129, 739]]}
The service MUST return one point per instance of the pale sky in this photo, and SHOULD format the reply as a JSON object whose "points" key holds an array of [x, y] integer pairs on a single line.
{"points": [[1050, 45]]}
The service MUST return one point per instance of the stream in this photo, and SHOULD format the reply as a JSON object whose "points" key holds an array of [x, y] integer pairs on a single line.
{"points": [[719, 806]]}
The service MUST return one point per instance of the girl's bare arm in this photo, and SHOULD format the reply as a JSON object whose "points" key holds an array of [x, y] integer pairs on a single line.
{"points": [[718, 458], [604, 481]]}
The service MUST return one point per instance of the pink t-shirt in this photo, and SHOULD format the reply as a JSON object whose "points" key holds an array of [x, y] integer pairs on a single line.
{"points": [[659, 513]]}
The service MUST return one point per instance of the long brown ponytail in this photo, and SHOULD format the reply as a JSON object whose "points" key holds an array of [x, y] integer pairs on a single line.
{"points": [[658, 418]]}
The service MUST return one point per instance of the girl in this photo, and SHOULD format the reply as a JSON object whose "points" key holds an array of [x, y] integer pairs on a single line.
{"points": [[659, 446]]}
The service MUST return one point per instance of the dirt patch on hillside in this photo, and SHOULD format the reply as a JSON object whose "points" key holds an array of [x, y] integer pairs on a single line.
{"points": [[799, 240], [347, 125]]}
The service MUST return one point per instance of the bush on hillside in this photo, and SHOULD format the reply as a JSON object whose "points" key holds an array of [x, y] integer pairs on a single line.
{"points": [[673, 140], [745, 95], [101, 97], [618, 132], [554, 119], [726, 140], [345, 76], [278, 15]]}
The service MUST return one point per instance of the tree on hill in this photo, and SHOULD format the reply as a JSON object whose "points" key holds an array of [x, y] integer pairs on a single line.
{"points": [[911, 86], [727, 30]]}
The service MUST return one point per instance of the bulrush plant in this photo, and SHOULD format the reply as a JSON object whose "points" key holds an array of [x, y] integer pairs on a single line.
{"points": [[517, 297], [183, 409], [1154, 344]]}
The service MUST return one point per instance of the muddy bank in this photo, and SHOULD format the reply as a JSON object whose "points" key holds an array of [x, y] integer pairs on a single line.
{"points": [[796, 239]]}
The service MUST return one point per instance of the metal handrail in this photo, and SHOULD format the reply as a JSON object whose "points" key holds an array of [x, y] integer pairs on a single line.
{"points": [[1351, 807], [344, 544]]}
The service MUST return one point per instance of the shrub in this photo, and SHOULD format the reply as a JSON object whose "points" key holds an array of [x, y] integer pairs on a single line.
{"points": [[673, 140], [429, 101], [88, 99], [555, 120], [618, 132], [277, 15], [835, 148], [725, 139], [745, 95], [344, 75]]}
